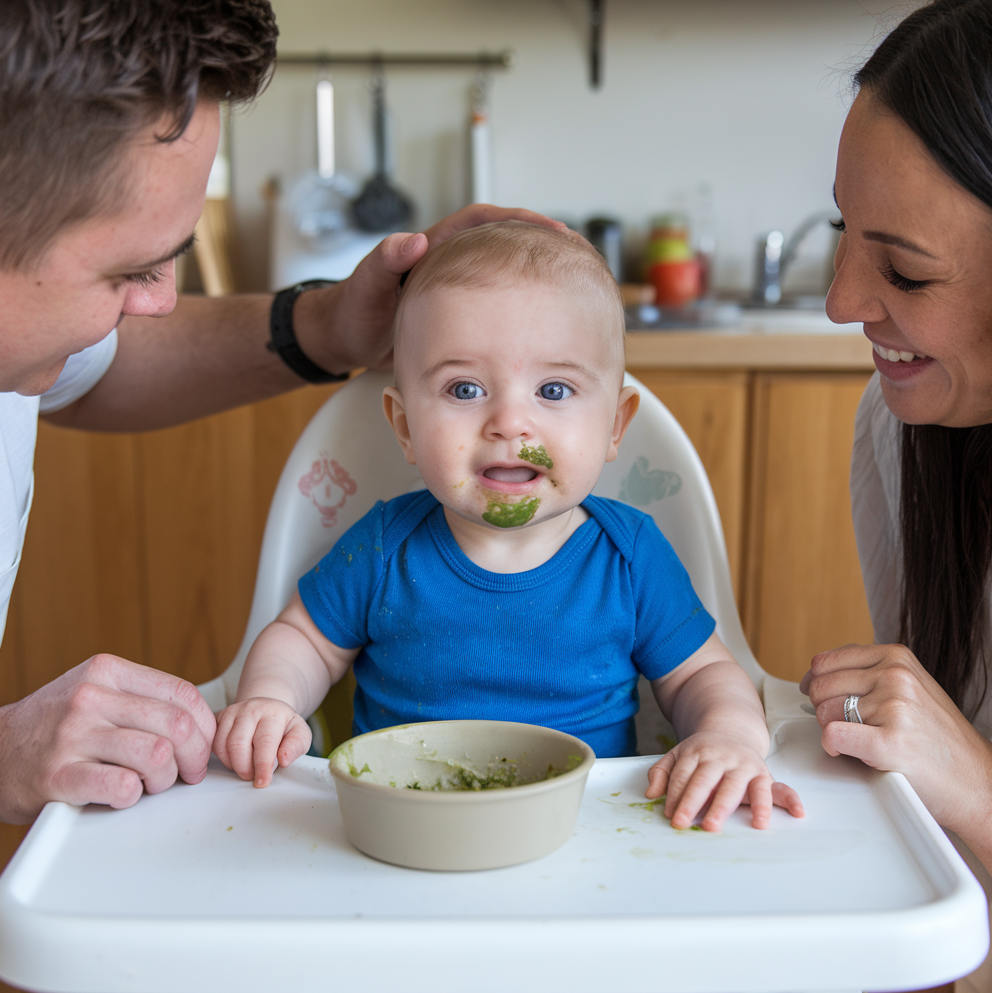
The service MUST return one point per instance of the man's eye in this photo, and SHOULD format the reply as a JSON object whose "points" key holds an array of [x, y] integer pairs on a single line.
{"points": [[465, 391], [148, 278], [555, 391]]}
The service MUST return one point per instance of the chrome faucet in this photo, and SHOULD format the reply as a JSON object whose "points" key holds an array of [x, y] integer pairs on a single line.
{"points": [[775, 255]]}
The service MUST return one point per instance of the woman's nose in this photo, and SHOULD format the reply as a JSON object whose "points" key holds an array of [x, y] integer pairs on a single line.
{"points": [[853, 297], [153, 299]]}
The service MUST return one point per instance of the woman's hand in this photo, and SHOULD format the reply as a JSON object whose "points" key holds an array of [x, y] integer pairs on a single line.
{"points": [[910, 726]]}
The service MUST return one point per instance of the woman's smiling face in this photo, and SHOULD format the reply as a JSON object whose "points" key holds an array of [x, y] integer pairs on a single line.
{"points": [[914, 265]]}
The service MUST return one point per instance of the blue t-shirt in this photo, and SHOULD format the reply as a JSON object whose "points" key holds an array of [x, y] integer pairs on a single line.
{"points": [[560, 645]]}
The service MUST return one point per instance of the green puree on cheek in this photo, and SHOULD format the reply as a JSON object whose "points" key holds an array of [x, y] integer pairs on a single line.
{"points": [[536, 456], [502, 514]]}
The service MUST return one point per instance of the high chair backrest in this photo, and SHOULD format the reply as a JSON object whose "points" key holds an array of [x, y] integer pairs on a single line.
{"points": [[347, 458]]}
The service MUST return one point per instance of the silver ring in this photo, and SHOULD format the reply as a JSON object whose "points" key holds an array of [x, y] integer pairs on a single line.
{"points": [[851, 710]]}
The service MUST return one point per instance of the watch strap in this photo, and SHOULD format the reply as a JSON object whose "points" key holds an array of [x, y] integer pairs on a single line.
{"points": [[283, 341]]}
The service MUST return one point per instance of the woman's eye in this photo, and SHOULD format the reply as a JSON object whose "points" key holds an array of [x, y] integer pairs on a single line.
{"points": [[465, 391], [899, 281], [555, 391], [839, 225]]}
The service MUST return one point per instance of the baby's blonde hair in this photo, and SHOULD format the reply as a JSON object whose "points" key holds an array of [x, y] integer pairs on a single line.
{"points": [[513, 251]]}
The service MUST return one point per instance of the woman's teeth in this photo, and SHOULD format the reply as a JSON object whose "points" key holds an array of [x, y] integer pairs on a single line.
{"points": [[893, 356], [518, 474]]}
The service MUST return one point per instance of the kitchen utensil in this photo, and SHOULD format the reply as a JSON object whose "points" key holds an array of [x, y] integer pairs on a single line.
{"points": [[479, 144], [321, 200], [444, 794], [380, 206], [606, 236]]}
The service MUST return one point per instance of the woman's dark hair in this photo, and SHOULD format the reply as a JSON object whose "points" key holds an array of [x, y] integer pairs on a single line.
{"points": [[935, 72], [80, 78]]}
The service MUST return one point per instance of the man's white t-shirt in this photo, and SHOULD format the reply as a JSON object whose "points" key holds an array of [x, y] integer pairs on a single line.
{"points": [[18, 433]]}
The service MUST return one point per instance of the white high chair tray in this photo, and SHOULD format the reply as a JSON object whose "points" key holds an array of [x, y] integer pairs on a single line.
{"points": [[221, 887]]}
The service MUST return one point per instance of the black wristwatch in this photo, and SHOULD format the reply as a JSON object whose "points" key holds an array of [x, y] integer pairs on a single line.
{"points": [[284, 342]]}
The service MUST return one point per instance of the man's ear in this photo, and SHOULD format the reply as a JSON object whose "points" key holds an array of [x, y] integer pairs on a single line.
{"points": [[627, 406], [392, 407]]}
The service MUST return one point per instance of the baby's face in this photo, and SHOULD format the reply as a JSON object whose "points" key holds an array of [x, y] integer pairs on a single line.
{"points": [[508, 400]]}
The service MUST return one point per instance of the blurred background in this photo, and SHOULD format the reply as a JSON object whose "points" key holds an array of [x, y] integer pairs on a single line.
{"points": [[724, 111]]}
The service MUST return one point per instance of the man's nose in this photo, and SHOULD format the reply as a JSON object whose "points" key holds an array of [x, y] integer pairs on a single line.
{"points": [[153, 299]]}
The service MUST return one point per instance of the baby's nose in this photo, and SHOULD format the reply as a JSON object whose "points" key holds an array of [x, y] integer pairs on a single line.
{"points": [[511, 420]]}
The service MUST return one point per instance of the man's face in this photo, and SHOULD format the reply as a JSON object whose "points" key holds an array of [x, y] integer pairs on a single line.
{"points": [[507, 400], [109, 266]]}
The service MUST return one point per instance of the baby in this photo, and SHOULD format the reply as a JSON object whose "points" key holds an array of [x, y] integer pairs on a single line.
{"points": [[505, 590]]}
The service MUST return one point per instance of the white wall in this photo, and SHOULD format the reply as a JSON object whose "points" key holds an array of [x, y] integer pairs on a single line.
{"points": [[746, 95]]}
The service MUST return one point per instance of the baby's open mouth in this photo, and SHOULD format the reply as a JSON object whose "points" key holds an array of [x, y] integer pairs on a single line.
{"points": [[505, 474]]}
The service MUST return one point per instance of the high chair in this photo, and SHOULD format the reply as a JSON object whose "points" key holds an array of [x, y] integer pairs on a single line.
{"points": [[224, 888], [347, 459]]}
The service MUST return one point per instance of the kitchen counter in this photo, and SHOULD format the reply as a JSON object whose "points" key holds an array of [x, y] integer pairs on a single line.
{"points": [[744, 348]]}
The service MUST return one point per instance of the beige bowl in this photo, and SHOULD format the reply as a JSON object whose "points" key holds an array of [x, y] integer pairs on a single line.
{"points": [[460, 794]]}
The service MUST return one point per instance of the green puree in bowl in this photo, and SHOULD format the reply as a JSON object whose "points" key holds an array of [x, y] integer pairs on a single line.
{"points": [[499, 776]]}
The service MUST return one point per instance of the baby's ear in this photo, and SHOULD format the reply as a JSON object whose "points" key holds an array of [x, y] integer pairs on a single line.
{"points": [[392, 407], [627, 405]]}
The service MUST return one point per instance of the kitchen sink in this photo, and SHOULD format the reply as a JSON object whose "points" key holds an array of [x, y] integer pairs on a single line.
{"points": [[804, 316]]}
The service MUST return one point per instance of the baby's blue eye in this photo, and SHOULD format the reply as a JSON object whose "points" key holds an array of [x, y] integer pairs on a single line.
{"points": [[555, 391], [465, 391]]}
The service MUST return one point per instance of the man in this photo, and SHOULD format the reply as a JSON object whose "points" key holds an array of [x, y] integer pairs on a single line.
{"points": [[108, 127]]}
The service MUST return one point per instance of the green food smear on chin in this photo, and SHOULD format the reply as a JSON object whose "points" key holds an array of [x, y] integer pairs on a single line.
{"points": [[501, 514], [535, 456]]}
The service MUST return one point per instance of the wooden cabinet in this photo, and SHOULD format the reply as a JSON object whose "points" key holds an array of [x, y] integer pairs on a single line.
{"points": [[146, 545], [777, 449], [802, 579]]}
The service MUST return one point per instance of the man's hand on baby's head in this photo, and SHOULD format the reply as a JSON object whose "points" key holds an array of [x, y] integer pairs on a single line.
{"points": [[255, 735], [718, 774]]}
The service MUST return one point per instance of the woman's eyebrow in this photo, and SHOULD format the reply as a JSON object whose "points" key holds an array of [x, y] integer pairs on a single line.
{"points": [[892, 239]]}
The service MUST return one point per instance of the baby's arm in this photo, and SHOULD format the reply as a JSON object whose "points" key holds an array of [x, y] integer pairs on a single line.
{"points": [[723, 741], [287, 673]]}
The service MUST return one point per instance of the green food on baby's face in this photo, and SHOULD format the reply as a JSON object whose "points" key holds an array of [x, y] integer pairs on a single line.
{"points": [[502, 514], [536, 456]]}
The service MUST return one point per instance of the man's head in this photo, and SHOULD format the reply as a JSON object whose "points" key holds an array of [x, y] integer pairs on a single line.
{"points": [[509, 367], [108, 128], [81, 79]]}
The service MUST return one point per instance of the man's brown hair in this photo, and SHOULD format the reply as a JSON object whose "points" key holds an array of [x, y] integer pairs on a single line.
{"points": [[80, 78]]}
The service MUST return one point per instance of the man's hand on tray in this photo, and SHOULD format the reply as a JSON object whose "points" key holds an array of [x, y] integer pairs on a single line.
{"points": [[104, 732]]}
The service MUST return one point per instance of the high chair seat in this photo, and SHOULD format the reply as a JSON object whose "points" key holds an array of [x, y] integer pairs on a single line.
{"points": [[232, 889], [347, 458]]}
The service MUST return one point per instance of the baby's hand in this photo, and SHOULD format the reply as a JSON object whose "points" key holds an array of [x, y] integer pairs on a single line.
{"points": [[709, 769], [252, 734]]}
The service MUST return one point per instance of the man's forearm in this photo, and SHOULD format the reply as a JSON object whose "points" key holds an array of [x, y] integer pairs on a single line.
{"points": [[206, 356]]}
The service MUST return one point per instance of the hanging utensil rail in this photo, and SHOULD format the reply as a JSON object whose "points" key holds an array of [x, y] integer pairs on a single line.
{"points": [[481, 60]]}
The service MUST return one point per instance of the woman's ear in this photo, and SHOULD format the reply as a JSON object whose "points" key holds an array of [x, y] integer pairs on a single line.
{"points": [[627, 405], [392, 407]]}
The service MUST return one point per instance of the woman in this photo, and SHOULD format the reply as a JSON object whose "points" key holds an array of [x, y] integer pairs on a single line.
{"points": [[914, 265]]}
